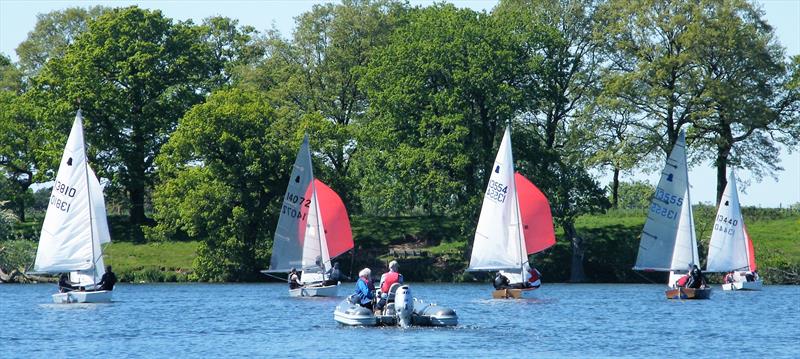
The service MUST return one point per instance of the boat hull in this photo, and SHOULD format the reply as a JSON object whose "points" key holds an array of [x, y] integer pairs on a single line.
{"points": [[315, 291], [100, 296], [688, 293], [424, 314], [756, 285], [511, 293]]}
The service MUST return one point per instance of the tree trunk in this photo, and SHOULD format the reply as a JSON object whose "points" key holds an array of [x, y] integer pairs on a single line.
{"points": [[576, 272], [136, 211], [615, 189], [723, 151]]}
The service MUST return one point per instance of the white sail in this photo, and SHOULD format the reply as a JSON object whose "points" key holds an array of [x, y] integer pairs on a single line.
{"points": [[287, 249], [100, 234], [66, 241], [727, 249], [498, 243], [668, 241], [315, 247]]}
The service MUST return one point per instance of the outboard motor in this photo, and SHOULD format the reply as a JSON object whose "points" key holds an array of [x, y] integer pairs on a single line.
{"points": [[404, 306]]}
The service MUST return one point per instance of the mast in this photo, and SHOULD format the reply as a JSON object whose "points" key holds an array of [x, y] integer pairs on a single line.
{"points": [[695, 259], [316, 208], [89, 197], [523, 254]]}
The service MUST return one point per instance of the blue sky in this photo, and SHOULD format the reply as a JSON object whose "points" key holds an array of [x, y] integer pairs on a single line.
{"points": [[18, 17]]}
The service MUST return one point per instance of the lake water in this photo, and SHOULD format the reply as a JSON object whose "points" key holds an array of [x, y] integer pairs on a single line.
{"points": [[260, 320]]}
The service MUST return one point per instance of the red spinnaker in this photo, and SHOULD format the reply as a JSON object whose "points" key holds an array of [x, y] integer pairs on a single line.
{"points": [[537, 220], [335, 220], [751, 253]]}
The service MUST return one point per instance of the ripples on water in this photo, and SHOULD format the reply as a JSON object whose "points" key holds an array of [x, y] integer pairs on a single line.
{"points": [[260, 320]]}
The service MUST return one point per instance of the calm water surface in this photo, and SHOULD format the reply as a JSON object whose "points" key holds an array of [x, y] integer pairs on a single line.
{"points": [[260, 320]]}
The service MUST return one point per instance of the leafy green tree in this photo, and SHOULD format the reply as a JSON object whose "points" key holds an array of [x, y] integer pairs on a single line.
{"points": [[440, 94], [53, 33], [635, 195], [317, 74], [134, 73], [750, 108], [222, 176], [555, 148], [650, 49]]}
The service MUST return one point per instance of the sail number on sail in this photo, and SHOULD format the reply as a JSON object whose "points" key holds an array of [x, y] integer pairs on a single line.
{"points": [[65, 190], [293, 199], [723, 224], [668, 199], [497, 191]]}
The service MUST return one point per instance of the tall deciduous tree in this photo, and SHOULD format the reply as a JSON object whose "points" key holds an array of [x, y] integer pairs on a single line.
{"points": [[440, 95], [559, 32], [651, 55], [317, 73], [53, 33], [222, 176], [135, 73], [750, 109]]}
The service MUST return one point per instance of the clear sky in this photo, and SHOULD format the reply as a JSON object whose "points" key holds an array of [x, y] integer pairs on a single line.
{"points": [[18, 17]]}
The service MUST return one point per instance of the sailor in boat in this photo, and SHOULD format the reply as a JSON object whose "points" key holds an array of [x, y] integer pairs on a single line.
{"points": [[533, 279], [64, 285], [696, 278], [728, 278], [335, 275], [387, 279], [108, 280], [294, 279], [365, 291]]}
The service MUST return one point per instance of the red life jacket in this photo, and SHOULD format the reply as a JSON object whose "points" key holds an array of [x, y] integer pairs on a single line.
{"points": [[391, 278], [682, 281]]}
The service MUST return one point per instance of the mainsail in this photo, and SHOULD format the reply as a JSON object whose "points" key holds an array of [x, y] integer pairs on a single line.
{"points": [[668, 240], [498, 243], [728, 249], [287, 249], [75, 224]]}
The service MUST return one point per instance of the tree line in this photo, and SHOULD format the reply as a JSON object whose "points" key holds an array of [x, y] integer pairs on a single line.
{"points": [[194, 126]]}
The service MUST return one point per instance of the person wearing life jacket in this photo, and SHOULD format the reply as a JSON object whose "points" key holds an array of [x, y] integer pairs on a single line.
{"points": [[294, 279], [682, 281], [390, 277], [533, 278], [696, 278], [728, 278], [365, 291], [500, 281]]}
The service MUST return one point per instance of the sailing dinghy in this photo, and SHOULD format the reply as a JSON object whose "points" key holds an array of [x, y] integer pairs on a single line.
{"points": [[313, 228], [668, 239], [515, 221], [730, 248], [75, 225]]}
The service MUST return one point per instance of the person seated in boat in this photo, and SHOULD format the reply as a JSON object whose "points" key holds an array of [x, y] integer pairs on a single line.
{"points": [[728, 278], [107, 281], [749, 277], [335, 275], [533, 278], [365, 291], [500, 281], [294, 279], [696, 278], [64, 285], [387, 279], [682, 281]]}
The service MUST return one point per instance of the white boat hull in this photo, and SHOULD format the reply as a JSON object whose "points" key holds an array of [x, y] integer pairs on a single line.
{"points": [[315, 291], [424, 314], [100, 296], [756, 285]]}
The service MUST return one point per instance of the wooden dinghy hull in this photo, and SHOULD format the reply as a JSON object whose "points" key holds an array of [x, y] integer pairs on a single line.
{"points": [[511, 293], [688, 293]]}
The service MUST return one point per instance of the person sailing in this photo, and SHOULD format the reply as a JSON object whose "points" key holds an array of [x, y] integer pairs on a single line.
{"points": [[335, 275], [64, 285], [365, 291], [294, 279], [533, 278], [107, 281], [696, 278]]}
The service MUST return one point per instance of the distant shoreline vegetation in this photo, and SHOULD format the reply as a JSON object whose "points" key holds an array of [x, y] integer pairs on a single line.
{"points": [[430, 249]]}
